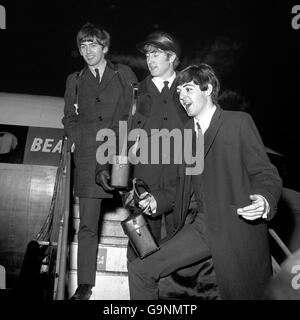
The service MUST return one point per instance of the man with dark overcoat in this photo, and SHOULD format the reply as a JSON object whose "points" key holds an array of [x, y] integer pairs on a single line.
{"points": [[91, 98], [236, 195], [157, 109]]}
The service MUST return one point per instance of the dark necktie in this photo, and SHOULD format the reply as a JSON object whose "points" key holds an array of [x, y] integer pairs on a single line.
{"points": [[196, 135], [199, 131], [97, 75], [165, 90]]}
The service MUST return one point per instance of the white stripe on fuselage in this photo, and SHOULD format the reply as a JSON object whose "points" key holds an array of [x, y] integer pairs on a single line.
{"points": [[31, 110]]}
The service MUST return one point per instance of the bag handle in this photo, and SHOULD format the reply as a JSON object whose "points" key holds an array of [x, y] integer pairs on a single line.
{"points": [[134, 195], [136, 184], [130, 116], [133, 104]]}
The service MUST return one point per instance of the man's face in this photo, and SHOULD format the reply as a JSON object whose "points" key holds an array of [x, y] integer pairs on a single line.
{"points": [[92, 52], [193, 100], [159, 63]]}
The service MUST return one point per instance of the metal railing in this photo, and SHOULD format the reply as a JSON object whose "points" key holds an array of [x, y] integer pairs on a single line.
{"points": [[282, 246], [62, 243]]}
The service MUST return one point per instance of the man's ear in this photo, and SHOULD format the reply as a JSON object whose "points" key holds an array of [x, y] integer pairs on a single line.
{"points": [[105, 50], [209, 89], [172, 57]]}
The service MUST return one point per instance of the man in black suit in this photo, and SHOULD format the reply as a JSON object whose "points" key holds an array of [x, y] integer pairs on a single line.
{"points": [[91, 98], [236, 194], [157, 107]]}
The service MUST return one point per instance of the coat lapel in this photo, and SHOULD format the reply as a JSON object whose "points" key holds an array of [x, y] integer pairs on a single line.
{"points": [[211, 132], [108, 74], [209, 137], [89, 78]]}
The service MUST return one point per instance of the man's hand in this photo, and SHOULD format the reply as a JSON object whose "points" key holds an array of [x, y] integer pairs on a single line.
{"points": [[148, 203], [102, 178], [258, 209]]}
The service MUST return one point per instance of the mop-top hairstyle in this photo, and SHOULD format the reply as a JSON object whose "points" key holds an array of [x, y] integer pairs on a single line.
{"points": [[202, 75], [89, 32]]}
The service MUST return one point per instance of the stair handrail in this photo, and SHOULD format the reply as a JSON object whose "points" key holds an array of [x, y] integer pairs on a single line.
{"points": [[62, 245]]}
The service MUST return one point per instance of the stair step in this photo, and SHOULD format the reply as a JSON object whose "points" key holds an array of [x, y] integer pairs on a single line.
{"points": [[106, 240], [108, 286], [110, 258], [119, 214]]}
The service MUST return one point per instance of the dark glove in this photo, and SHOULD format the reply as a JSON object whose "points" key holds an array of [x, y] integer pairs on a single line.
{"points": [[102, 179]]}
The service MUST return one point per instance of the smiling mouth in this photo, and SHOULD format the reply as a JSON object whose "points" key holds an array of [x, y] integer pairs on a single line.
{"points": [[187, 104]]}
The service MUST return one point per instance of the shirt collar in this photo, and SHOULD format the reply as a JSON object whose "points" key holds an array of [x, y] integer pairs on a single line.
{"points": [[205, 120], [159, 82], [101, 69]]}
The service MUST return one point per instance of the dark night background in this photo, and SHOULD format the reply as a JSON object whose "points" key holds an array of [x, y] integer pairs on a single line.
{"points": [[251, 44]]}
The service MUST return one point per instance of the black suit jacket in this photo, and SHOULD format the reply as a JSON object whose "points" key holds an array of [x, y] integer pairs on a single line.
{"points": [[235, 166]]}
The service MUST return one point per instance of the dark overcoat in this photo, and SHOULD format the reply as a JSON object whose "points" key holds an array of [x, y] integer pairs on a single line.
{"points": [[235, 166], [153, 112], [96, 106]]}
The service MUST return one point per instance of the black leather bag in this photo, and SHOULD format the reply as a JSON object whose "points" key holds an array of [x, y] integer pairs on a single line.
{"points": [[136, 227], [139, 234]]}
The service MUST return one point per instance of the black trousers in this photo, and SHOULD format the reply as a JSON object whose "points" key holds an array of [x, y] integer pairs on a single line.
{"points": [[88, 240], [187, 247]]}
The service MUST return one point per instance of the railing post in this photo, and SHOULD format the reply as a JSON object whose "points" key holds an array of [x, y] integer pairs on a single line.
{"points": [[64, 226]]}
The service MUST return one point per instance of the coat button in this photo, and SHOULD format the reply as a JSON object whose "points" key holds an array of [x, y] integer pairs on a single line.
{"points": [[165, 101], [98, 99]]}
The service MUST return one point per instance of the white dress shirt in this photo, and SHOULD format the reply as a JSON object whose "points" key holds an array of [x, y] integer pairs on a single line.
{"points": [[159, 82], [205, 120], [101, 69]]}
